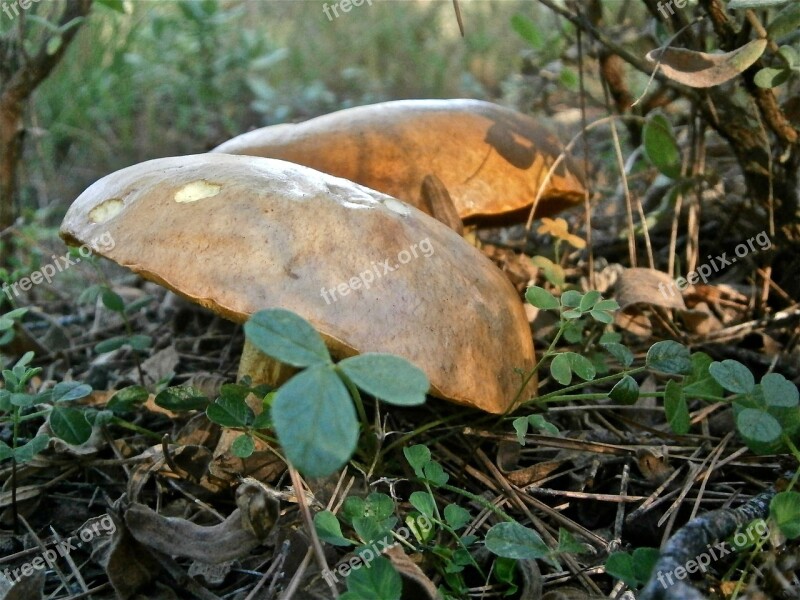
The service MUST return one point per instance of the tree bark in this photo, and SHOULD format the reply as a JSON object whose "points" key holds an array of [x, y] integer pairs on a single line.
{"points": [[17, 84]]}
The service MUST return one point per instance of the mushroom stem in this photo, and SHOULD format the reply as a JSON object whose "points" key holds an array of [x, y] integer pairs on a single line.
{"points": [[261, 369]]}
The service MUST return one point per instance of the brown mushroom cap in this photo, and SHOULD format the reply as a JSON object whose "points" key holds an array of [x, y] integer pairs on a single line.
{"points": [[491, 159], [237, 234]]}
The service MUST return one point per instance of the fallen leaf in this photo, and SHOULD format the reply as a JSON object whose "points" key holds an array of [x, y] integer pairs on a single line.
{"points": [[703, 70]]}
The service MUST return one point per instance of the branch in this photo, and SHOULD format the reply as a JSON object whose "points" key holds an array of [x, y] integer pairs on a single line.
{"points": [[30, 75]]}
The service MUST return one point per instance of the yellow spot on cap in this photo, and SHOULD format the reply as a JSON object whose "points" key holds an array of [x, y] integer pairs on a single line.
{"points": [[197, 190], [106, 210], [401, 208]]}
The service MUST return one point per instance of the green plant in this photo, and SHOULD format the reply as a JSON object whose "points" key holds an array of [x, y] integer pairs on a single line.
{"points": [[632, 568], [313, 413]]}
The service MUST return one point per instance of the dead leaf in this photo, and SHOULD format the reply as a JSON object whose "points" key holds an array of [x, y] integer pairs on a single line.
{"points": [[25, 588], [416, 584], [175, 536], [129, 565], [157, 367], [647, 286], [653, 465], [532, 474], [702, 70]]}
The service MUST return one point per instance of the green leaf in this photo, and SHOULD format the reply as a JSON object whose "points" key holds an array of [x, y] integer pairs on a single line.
{"points": [[733, 376], [139, 342], [620, 566], [315, 421], [456, 516], [528, 31], [111, 344], [790, 55], [785, 511], [53, 44], [378, 579], [388, 378], [112, 300], [70, 425], [581, 366], [779, 391], [33, 447], [243, 446], [230, 412], [644, 561], [180, 398], [378, 506], [568, 544], [607, 305], [660, 146], [6, 451], [520, 425], [769, 77], [560, 369], [554, 273], [417, 456], [785, 22], [572, 314], [700, 382], [589, 299], [571, 298], [539, 423], [541, 298], [669, 357], [287, 337], [602, 316], [423, 502], [623, 355], [68, 391], [676, 409], [127, 398], [758, 426], [512, 540], [626, 391], [435, 474], [329, 529]]}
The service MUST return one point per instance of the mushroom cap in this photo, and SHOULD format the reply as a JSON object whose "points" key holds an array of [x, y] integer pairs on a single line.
{"points": [[237, 234], [491, 159]]}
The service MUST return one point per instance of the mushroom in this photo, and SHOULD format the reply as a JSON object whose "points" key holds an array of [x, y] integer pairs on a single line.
{"points": [[237, 234], [491, 159]]}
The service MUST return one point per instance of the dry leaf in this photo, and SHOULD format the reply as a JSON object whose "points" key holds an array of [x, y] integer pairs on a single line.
{"points": [[416, 584], [647, 286], [175, 536], [25, 588], [702, 70]]}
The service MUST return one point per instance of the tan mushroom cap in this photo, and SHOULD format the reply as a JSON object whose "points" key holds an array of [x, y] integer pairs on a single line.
{"points": [[491, 159], [238, 234]]}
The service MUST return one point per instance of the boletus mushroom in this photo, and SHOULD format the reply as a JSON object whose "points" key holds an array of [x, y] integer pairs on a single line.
{"points": [[491, 159], [237, 234]]}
